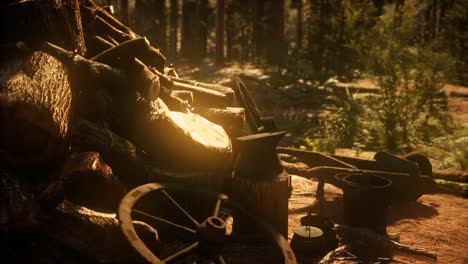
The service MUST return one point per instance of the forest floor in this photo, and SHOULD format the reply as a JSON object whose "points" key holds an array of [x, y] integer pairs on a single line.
{"points": [[435, 222]]}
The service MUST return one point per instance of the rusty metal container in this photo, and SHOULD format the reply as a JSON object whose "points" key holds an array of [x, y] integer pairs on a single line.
{"points": [[366, 199]]}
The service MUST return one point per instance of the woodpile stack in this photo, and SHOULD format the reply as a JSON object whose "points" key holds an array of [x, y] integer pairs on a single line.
{"points": [[89, 110]]}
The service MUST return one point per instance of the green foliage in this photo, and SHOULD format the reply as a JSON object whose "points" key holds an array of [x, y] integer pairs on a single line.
{"points": [[448, 152], [409, 73], [409, 109]]}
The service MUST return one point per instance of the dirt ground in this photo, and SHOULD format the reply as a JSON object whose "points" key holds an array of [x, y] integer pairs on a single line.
{"points": [[436, 222]]}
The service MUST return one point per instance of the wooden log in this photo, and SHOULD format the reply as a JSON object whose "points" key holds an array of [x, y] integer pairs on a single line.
{"points": [[267, 199], [180, 140], [123, 55], [37, 21], [315, 159], [449, 175], [35, 110], [232, 119], [204, 97], [220, 88], [126, 161], [91, 233], [100, 90], [90, 182]]}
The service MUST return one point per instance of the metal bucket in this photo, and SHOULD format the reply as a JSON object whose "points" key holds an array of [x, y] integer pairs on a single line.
{"points": [[366, 198]]}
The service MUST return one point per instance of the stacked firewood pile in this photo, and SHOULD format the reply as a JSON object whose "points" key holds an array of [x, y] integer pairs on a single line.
{"points": [[89, 110]]}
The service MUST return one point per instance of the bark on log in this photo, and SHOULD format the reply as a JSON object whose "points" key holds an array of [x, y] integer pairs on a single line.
{"points": [[35, 110], [89, 182], [99, 89], [123, 157], [268, 199], [232, 119]]}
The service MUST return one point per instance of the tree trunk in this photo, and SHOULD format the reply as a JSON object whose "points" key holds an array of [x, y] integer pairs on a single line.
{"points": [[174, 21], [220, 11], [229, 31], [191, 30], [204, 27], [277, 49], [160, 28], [258, 27], [299, 32], [124, 11]]}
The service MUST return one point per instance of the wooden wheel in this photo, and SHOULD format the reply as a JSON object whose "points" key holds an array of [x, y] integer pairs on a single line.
{"points": [[197, 226]]}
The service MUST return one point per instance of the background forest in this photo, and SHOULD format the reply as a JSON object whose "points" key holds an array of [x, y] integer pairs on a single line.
{"points": [[354, 74]]}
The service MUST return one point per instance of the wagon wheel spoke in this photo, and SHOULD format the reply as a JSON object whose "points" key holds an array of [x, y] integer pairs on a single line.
{"points": [[180, 208], [165, 221], [219, 200], [181, 252]]}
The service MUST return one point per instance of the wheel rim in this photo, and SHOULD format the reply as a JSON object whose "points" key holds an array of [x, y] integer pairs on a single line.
{"points": [[208, 232]]}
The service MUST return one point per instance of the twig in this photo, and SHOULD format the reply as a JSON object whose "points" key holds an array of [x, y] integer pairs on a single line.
{"points": [[329, 256]]}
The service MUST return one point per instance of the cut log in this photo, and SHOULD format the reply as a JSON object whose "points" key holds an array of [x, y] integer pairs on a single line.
{"points": [[89, 182], [180, 140], [35, 110], [232, 119], [123, 157], [204, 97], [91, 233], [315, 159]]}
